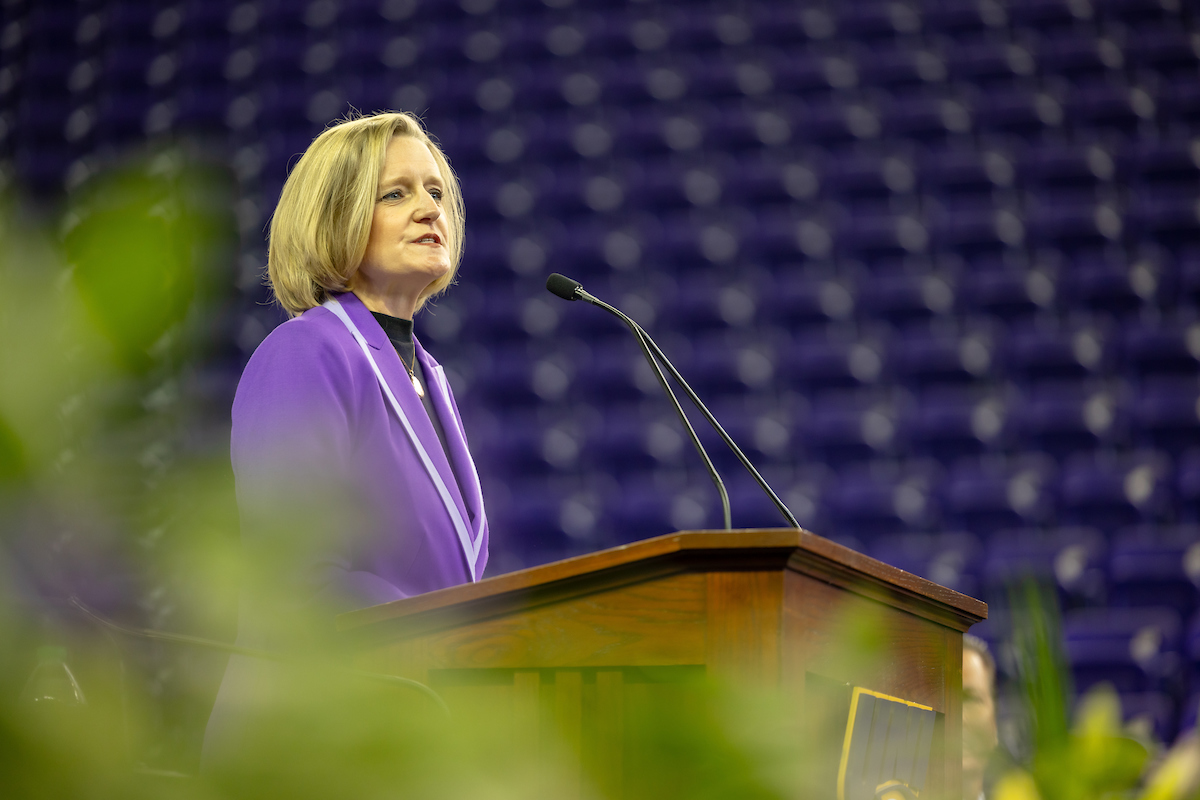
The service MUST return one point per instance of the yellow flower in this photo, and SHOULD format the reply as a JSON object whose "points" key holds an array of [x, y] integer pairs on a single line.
{"points": [[1016, 785]]}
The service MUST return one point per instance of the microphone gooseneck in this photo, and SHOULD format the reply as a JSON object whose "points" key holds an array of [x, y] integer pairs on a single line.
{"points": [[568, 289], [725, 437], [654, 354]]}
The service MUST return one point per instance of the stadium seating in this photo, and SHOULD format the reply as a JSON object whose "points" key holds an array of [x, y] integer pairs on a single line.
{"points": [[936, 264]]}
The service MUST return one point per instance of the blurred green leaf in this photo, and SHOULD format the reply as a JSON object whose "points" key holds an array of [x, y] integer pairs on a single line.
{"points": [[1090, 759]]}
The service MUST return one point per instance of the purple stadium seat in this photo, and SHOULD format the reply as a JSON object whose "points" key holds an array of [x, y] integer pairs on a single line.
{"points": [[567, 189], [1019, 111], [1152, 566], [660, 185], [1134, 649], [907, 297], [1155, 712], [1045, 14], [633, 439], [765, 430], [994, 494], [617, 373], [203, 62], [1072, 219], [885, 236], [1191, 646], [716, 78], [734, 126], [642, 509], [990, 61], [900, 67], [203, 106], [1111, 493], [930, 117], [650, 132], [974, 226], [1188, 714], [526, 447], [1108, 285], [872, 501], [960, 18], [777, 24], [803, 493], [1165, 180], [205, 20], [958, 172], [1164, 45], [695, 30], [866, 175], [802, 300], [1165, 413], [46, 22], [831, 359], [935, 356], [1166, 349], [1066, 167], [837, 123], [562, 522], [1168, 216], [511, 380], [778, 237], [1007, 291], [952, 423], [874, 22], [844, 427], [1188, 485], [769, 180], [952, 559], [1075, 53], [1072, 559], [1039, 351], [1112, 106], [1139, 14], [800, 72], [729, 367]]}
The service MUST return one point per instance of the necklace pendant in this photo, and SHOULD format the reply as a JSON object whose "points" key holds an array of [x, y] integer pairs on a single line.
{"points": [[416, 382]]}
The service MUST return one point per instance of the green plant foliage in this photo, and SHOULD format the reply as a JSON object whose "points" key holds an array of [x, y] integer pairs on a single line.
{"points": [[1090, 757], [137, 239]]}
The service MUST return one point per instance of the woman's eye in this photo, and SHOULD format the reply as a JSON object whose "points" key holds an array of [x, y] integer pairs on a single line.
{"points": [[392, 195], [436, 194]]}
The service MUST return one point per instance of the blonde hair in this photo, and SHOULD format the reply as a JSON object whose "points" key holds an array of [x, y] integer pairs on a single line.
{"points": [[319, 231]]}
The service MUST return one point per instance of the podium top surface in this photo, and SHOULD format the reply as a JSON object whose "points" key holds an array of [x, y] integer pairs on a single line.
{"points": [[685, 551]]}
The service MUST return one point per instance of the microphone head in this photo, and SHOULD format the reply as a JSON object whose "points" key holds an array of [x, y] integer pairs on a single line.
{"points": [[563, 286]]}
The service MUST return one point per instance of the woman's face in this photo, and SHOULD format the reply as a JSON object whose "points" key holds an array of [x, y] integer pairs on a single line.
{"points": [[407, 248]]}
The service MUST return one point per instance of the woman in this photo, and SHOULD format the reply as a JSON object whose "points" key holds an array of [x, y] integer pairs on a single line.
{"points": [[354, 482]]}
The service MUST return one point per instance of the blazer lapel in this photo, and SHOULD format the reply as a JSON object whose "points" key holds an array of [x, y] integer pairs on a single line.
{"points": [[456, 441], [398, 379]]}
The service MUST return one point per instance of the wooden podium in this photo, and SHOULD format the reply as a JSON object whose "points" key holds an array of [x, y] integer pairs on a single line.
{"points": [[577, 645]]}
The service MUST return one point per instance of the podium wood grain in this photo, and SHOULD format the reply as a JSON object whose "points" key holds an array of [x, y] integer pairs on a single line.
{"points": [[578, 648]]}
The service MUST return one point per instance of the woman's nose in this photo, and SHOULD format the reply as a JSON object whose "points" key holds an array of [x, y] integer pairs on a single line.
{"points": [[428, 209]]}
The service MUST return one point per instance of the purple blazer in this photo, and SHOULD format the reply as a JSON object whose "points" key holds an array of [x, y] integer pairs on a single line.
{"points": [[322, 447], [346, 496]]}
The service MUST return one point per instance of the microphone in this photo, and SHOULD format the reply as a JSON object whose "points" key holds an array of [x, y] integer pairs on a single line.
{"points": [[569, 289], [564, 287]]}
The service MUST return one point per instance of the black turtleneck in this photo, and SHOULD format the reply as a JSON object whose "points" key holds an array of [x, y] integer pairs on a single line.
{"points": [[400, 333]]}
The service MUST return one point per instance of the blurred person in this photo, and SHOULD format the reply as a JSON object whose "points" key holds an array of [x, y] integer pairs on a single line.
{"points": [[979, 714], [355, 485]]}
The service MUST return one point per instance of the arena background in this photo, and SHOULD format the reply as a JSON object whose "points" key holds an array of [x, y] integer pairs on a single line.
{"points": [[936, 265]]}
